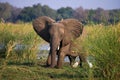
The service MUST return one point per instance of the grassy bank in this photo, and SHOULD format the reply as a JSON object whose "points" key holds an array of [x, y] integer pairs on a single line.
{"points": [[99, 41]]}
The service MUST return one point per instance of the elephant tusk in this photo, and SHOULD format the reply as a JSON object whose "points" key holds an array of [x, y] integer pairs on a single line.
{"points": [[58, 48]]}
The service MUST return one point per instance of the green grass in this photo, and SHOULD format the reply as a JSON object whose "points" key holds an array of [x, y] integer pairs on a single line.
{"points": [[99, 41], [103, 43], [39, 72], [19, 34]]}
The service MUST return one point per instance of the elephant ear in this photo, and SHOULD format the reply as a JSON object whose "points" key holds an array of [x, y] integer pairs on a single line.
{"points": [[41, 26], [73, 29]]}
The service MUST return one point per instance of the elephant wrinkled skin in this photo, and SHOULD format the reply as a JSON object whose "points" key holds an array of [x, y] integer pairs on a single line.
{"points": [[58, 34]]}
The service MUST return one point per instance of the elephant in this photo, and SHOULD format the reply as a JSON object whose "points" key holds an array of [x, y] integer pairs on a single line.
{"points": [[58, 34], [74, 49]]}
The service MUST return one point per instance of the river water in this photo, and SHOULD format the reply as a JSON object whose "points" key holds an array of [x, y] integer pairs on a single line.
{"points": [[43, 50]]}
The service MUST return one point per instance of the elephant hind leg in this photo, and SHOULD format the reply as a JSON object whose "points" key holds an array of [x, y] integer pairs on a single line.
{"points": [[61, 57], [80, 61], [48, 63]]}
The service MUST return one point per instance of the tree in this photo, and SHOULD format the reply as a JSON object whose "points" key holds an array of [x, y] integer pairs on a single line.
{"points": [[114, 16], [91, 15], [81, 14], [64, 13], [38, 10], [14, 14], [49, 12], [30, 13], [5, 11], [27, 14], [101, 15]]}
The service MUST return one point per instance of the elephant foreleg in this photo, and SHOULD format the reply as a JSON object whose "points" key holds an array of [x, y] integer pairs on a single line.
{"points": [[61, 57], [53, 59], [48, 63], [53, 50], [80, 61]]}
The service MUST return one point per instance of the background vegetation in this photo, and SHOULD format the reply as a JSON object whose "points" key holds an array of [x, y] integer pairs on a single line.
{"points": [[27, 14], [19, 44], [19, 48]]}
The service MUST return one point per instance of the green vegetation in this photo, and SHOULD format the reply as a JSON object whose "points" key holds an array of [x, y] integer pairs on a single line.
{"points": [[18, 42], [8, 13], [103, 43], [99, 41]]}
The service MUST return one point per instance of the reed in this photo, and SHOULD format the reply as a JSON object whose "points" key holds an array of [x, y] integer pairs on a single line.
{"points": [[19, 42], [102, 42]]}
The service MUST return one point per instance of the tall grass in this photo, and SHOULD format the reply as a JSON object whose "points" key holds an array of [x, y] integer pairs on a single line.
{"points": [[19, 42], [103, 43]]}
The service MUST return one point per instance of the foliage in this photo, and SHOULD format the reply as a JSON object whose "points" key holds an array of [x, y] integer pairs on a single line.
{"points": [[102, 42], [99, 41], [5, 10], [30, 13], [64, 13], [8, 12], [87, 16], [18, 43]]}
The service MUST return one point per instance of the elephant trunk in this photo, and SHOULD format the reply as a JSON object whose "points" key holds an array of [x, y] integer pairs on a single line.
{"points": [[54, 43]]}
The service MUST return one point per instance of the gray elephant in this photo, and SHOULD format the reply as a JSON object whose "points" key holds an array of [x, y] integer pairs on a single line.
{"points": [[58, 34]]}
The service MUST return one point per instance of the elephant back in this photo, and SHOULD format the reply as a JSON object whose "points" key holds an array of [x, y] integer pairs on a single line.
{"points": [[41, 26], [73, 30]]}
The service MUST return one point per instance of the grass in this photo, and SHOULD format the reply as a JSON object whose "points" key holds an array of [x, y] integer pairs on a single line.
{"points": [[99, 41], [39, 72], [102, 42], [19, 42]]}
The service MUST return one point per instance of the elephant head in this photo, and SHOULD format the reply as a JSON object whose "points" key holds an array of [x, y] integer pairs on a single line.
{"points": [[57, 34]]}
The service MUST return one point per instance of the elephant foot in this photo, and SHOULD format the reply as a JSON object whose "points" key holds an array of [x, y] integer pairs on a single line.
{"points": [[51, 66], [47, 65], [58, 67]]}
